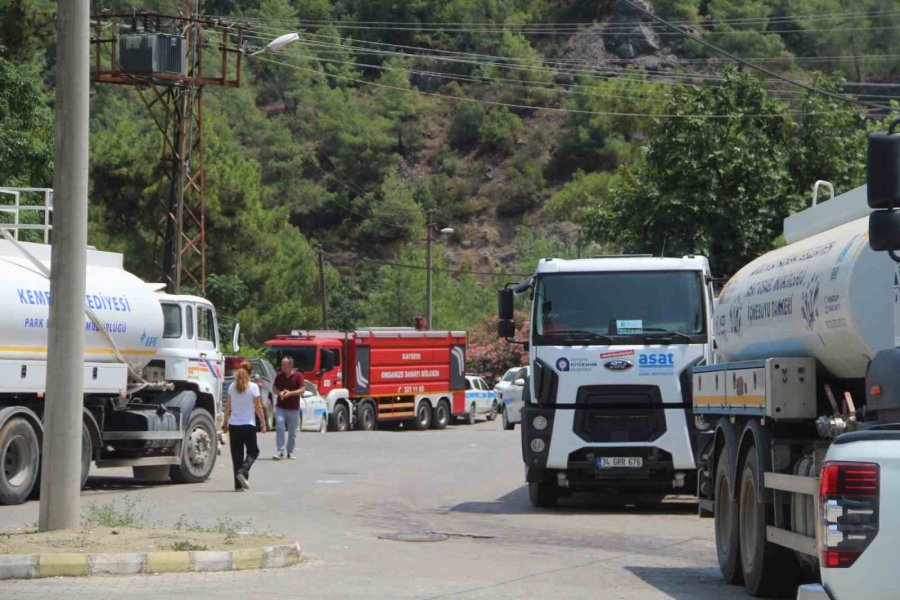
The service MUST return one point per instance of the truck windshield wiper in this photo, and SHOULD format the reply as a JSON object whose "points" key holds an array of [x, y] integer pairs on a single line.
{"points": [[670, 331], [582, 334]]}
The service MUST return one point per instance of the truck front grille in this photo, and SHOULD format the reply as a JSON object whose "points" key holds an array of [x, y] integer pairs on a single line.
{"points": [[619, 413]]}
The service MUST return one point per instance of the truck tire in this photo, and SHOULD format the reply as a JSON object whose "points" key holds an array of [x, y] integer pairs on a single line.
{"points": [[769, 571], [340, 418], [543, 494], [507, 426], [423, 415], [198, 450], [471, 415], [441, 415], [365, 417], [493, 414], [156, 473], [725, 513], [20, 459], [87, 449]]}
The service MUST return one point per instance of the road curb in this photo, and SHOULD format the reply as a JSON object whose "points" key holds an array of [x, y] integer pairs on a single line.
{"points": [[34, 566]]}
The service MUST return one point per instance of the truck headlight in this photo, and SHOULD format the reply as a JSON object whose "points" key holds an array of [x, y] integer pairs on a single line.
{"points": [[538, 445], [539, 423]]}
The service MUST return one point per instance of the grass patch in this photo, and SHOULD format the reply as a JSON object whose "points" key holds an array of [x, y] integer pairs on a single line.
{"points": [[186, 546], [224, 526], [114, 514]]}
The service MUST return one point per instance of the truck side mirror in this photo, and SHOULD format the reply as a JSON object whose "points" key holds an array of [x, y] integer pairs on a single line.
{"points": [[883, 191], [506, 328], [236, 338], [505, 302]]}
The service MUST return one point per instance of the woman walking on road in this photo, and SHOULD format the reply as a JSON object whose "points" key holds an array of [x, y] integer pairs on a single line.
{"points": [[242, 406]]}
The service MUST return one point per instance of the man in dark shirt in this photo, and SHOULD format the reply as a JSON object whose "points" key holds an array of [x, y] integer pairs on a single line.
{"points": [[289, 386]]}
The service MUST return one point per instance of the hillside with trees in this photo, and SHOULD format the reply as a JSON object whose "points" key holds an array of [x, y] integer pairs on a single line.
{"points": [[531, 127]]}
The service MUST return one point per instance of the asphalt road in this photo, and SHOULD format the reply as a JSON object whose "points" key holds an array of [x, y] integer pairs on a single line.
{"points": [[346, 490]]}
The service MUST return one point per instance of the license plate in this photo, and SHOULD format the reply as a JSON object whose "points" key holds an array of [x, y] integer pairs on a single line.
{"points": [[620, 462]]}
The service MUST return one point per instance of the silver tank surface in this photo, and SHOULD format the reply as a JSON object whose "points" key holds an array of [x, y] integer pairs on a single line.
{"points": [[827, 296]]}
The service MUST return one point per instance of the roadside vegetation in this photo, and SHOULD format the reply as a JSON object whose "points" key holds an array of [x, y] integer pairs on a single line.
{"points": [[537, 128]]}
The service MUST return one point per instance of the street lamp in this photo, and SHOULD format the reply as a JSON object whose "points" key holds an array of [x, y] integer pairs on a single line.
{"points": [[431, 228], [278, 43]]}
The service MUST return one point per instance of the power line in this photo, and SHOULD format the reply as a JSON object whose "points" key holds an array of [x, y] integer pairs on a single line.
{"points": [[699, 20], [617, 73], [544, 108], [754, 66], [616, 28], [441, 270]]}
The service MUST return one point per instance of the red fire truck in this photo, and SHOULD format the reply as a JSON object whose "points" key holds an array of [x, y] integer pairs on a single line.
{"points": [[379, 375]]}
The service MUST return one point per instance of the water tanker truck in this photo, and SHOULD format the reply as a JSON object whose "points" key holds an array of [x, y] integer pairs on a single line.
{"points": [[152, 372], [806, 339]]}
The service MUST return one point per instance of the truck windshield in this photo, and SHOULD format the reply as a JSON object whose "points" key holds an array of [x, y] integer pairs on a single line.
{"points": [[304, 356], [612, 308]]}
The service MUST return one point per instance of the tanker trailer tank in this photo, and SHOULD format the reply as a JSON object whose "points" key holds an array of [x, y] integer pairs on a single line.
{"points": [[127, 306], [828, 296]]}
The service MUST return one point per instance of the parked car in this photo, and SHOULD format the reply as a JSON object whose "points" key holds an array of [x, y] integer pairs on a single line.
{"points": [[480, 399], [264, 377], [313, 410], [508, 377], [859, 527], [511, 399]]}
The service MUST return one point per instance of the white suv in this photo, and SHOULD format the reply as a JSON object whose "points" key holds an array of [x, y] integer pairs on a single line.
{"points": [[859, 522], [511, 397]]}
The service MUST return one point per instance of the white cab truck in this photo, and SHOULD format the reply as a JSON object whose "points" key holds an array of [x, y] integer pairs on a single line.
{"points": [[801, 471], [152, 370], [611, 345]]}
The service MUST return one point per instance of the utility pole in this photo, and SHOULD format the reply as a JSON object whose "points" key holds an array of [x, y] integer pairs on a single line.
{"points": [[429, 227], [322, 290], [61, 461]]}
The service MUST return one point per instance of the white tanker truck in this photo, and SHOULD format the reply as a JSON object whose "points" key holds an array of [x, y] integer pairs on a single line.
{"points": [[805, 351], [152, 372]]}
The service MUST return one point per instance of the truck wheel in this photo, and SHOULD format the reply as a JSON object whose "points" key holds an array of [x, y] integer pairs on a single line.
{"points": [[19, 458], [471, 415], [340, 418], [198, 450], [86, 454], [507, 426], [726, 521], [543, 494], [493, 414], [441, 415], [365, 417], [769, 570], [423, 416]]}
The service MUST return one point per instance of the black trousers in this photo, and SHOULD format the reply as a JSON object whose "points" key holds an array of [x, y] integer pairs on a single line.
{"points": [[241, 437]]}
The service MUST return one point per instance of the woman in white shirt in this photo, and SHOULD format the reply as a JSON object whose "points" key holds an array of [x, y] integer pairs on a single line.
{"points": [[242, 407]]}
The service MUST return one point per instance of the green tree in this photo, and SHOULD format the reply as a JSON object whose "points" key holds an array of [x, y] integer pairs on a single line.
{"points": [[722, 186], [26, 130]]}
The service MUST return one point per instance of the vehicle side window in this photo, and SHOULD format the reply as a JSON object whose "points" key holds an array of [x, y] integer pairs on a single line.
{"points": [[206, 325], [171, 321], [337, 358], [468, 384], [189, 318], [484, 384], [522, 374]]}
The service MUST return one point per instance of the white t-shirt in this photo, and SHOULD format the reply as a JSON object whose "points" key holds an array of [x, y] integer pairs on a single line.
{"points": [[243, 409]]}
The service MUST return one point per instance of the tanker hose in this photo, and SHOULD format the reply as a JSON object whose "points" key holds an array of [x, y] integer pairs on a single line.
{"points": [[101, 327]]}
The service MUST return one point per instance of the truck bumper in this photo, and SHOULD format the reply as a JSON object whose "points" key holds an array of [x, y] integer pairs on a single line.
{"points": [[657, 473], [813, 591]]}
